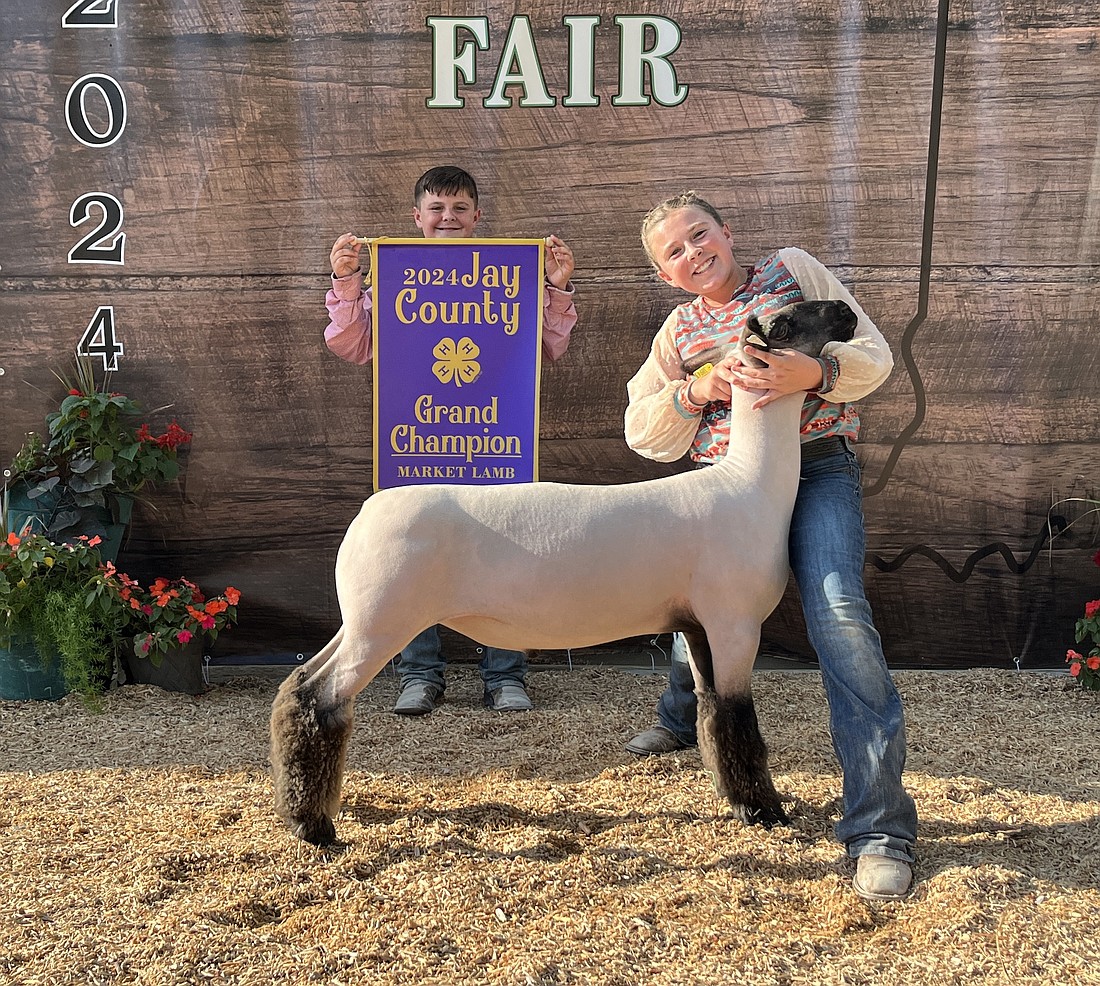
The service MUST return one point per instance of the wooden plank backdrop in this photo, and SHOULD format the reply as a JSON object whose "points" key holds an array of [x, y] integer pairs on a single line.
{"points": [[259, 130]]}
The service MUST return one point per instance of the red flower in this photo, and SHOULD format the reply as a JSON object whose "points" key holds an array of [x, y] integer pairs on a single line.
{"points": [[173, 437], [75, 393], [1091, 609], [1075, 669], [1072, 655], [183, 636], [144, 434], [1093, 663], [208, 622]]}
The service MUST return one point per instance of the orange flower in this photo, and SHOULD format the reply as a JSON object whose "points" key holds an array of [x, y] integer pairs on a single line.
{"points": [[13, 539], [1093, 663], [1075, 669], [232, 595], [216, 606]]}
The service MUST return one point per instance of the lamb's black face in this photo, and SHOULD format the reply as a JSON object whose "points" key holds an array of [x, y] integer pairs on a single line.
{"points": [[804, 326]]}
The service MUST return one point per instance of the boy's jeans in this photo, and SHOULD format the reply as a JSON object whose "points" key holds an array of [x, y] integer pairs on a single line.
{"points": [[827, 548], [422, 661]]}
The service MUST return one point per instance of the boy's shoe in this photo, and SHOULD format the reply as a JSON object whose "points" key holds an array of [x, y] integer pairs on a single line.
{"points": [[882, 877], [418, 698], [508, 698], [656, 740]]}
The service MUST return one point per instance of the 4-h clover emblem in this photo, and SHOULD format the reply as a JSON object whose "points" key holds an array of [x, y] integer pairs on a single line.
{"points": [[456, 361]]}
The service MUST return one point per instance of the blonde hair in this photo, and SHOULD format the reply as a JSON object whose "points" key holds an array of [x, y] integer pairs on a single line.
{"points": [[661, 212]]}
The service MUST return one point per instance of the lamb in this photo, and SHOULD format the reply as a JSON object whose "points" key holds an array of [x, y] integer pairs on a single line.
{"points": [[556, 566]]}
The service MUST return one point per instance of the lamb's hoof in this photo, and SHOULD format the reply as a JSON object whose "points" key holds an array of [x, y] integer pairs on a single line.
{"points": [[319, 831], [766, 815]]}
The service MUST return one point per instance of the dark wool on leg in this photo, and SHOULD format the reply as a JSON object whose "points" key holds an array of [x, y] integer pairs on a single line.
{"points": [[308, 747], [736, 756]]}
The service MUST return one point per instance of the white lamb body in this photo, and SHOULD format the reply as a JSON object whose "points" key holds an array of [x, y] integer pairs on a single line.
{"points": [[554, 566]]}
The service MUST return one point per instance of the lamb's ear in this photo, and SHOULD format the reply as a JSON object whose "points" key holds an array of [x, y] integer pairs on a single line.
{"points": [[754, 334]]}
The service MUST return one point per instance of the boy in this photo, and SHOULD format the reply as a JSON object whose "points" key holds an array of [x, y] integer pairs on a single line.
{"points": [[445, 204]]}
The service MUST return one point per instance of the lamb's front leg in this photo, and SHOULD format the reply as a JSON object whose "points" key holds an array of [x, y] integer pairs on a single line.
{"points": [[730, 742]]}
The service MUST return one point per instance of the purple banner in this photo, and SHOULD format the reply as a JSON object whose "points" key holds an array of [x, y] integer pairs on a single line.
{"points": [[457, 346]]}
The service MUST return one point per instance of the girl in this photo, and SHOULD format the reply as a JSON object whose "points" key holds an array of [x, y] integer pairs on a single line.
{"points": [[671, 413]]}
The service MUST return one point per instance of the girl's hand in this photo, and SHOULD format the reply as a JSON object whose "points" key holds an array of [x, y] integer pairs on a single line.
{"points": [[559, 262], [787, 372], [716, 385], [344, 256]]}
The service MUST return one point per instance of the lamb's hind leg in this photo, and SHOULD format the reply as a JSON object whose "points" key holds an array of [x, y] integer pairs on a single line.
{"points": [[732, 748], [309, 739]]}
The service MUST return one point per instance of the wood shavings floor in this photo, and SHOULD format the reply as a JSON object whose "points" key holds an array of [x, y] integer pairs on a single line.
{"points": [[139, 845]]}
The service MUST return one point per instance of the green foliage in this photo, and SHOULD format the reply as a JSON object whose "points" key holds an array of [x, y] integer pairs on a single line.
{"points": [[60, 598], [94, 451], [83, 639], [1085, 667], [74, 607], [32, 567]]}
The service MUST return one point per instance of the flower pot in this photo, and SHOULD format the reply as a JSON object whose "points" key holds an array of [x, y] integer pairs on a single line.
{"points": [[43, 512], [180, 670], [24, 676]]}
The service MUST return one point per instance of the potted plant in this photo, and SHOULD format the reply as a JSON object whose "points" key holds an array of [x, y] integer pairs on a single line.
{"points": [[168, 622], [60, 618], [1086, 667], [81, 478]]}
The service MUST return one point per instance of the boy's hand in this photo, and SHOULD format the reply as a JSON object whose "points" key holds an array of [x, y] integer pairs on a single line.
{"points": [[344, 256], [559, 262], [787, 372]]}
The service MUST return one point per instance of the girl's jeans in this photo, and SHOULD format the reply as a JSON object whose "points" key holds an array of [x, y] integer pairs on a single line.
{"points": [[422, 661], [827, 548]]}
